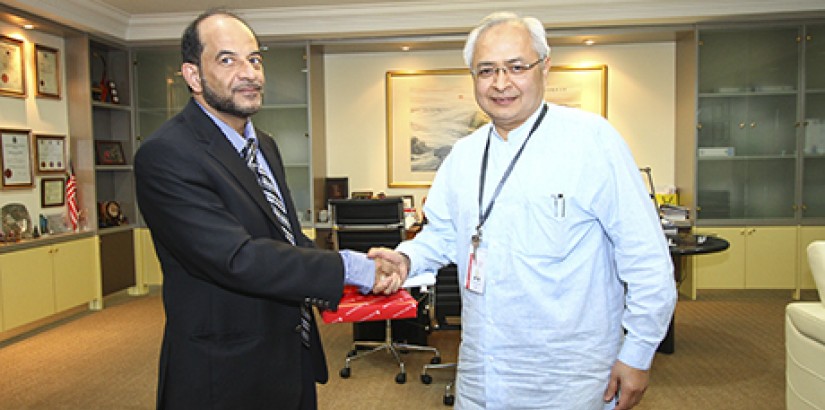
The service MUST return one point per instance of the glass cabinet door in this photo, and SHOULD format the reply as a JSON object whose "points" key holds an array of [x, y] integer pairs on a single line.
{"points": [[747, 119], [813, 140]]}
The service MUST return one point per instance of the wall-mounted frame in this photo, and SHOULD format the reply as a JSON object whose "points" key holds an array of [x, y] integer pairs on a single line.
{"points": [[50, 153], [47, 71], [16, 158], [12, 67], [429, 110], [109, 153], [52, 192]]}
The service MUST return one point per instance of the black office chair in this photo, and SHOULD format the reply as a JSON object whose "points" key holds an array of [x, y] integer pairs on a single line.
{"points": [[446, 315]]}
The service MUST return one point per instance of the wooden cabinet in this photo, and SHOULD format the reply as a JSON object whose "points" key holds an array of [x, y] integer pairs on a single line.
{"points": [[38, 282], [146, 260], [807, 234], [759, 257]]}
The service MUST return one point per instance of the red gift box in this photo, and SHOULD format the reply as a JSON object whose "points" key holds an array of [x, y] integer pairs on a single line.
{"points": [[355, 307]]}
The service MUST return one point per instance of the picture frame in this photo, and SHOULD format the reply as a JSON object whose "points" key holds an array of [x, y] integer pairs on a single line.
{"points": [[52, 192], [12, 67], [16, 158], [362, 195], [47, 71], [336, 188], [429, 110], [50, 153], [109, 153]]}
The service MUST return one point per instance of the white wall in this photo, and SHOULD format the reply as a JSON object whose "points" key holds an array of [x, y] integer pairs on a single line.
{"points": [[641, 105], [38, 115]]}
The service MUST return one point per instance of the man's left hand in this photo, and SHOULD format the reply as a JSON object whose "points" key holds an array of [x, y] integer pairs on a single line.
{"points": [[629, 383]]}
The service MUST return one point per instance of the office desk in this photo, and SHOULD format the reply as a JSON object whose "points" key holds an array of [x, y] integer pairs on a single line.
{"points": [[681, 246]]}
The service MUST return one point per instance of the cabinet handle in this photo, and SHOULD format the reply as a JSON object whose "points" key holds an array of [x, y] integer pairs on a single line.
{"points": [[741, 125], [804, 207], [699, 126], [753, 125]]}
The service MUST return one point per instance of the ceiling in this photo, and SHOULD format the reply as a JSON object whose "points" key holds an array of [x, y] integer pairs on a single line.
{"points": [[384, 25]]}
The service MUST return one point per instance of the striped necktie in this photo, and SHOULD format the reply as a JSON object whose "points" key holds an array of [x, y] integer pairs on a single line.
{"points": [[249, 153]]}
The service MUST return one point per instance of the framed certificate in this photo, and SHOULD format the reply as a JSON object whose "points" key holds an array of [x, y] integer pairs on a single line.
{"points": [[47, 70], [50, 153], [16, 158], [52, 192], [12, 68]]}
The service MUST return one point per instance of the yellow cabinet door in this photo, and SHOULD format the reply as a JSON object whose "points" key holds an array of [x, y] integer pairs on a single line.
{"points": [[807, 234], [76, 276], [771, 255], [726, 269], [27, 285]]}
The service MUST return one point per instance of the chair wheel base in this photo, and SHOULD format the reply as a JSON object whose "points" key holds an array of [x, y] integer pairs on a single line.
{"points": [[426, 379], [345, 373], [401, 378], [449, 400]]}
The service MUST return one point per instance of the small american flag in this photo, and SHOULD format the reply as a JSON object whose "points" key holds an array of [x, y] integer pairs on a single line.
{"points": [[71, 199]]}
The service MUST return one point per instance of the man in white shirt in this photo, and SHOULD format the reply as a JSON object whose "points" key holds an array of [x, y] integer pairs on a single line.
{"points": [[567, 283]]}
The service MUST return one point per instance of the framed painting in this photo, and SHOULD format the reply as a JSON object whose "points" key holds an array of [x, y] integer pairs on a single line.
{"points": [[12, 67], [16, 158], [47, 71], [429, 110], [52, 192], [50, 153]]}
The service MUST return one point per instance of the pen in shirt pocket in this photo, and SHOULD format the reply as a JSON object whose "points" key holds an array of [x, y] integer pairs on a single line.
{"points": [[558, 204]]}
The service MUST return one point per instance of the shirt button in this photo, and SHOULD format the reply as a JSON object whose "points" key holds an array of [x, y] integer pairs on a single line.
{"points": [[298, 329]]}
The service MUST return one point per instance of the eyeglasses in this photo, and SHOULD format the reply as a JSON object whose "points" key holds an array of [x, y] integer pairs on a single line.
{"points": [[515, 69]]}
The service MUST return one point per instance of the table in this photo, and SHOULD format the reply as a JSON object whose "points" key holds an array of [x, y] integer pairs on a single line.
{"points": [[683, 245]]}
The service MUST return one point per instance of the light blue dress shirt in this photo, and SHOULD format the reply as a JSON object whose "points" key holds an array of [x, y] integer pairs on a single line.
{"points": [[564, 277], [358, 269]]}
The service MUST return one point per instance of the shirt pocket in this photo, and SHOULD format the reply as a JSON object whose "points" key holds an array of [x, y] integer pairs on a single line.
{"points": [[543, 223]]}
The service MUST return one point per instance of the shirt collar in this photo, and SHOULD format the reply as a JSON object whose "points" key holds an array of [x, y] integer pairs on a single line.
{"points": [[237, 140], [520, 133]]}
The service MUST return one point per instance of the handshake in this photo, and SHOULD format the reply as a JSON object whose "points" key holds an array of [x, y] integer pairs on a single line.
{"points": [[391, 270]]}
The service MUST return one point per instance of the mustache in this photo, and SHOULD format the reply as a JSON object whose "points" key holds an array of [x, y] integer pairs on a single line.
{"points": [[248, 85]]}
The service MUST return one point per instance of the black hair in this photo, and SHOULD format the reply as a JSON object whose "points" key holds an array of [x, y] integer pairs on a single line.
{"points": [[191, 46]]}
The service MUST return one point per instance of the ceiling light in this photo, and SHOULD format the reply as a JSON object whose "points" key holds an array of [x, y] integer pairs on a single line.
{"points": [[28, 26], [405, 48], [589, 42]]}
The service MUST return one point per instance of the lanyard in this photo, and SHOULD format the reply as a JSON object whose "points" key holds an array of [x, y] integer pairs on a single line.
{"points": [[482, 217]]}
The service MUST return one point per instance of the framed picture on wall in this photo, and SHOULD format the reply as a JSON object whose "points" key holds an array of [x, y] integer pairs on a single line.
{"points": [[12, 67], [50, 153], [109, 153], [47, 71], [52, 192], [16, 158]]}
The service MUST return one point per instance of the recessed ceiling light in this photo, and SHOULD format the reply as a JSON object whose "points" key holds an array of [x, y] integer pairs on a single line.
{"points": [[405, 48], [589, 42], [28, 26]]}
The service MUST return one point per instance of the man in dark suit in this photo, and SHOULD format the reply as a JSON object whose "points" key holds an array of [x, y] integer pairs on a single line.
{"points": [[237, 279]]}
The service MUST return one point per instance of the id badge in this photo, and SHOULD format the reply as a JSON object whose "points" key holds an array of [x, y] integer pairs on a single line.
{"points": [[474, 280]]}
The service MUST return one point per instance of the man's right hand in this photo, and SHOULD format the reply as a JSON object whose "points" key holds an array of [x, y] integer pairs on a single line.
{"points": [[391, 270]]}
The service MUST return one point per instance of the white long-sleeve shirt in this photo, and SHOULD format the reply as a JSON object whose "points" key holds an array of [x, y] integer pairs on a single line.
{"points": [[564, 277]]}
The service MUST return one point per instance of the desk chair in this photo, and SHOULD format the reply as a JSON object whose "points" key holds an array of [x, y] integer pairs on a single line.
{"points": [[446, 297], [424, 282]]}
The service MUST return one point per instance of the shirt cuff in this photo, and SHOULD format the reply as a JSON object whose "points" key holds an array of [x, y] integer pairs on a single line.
{"points": [[359, 270]]}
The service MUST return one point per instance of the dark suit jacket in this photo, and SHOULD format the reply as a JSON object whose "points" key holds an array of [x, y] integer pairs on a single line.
{"points": [[232, 284]]}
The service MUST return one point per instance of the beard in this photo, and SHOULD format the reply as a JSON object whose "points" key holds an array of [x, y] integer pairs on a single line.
{"points": [[226, 104]]}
